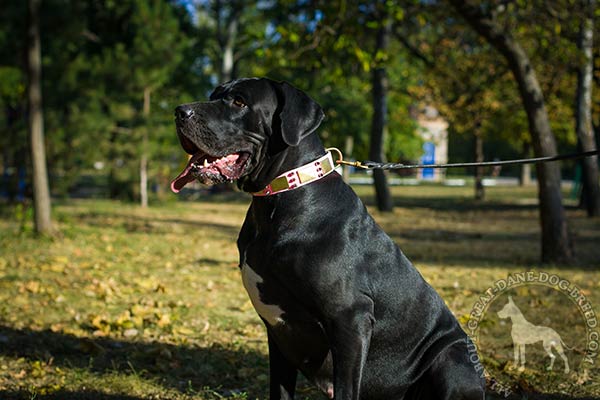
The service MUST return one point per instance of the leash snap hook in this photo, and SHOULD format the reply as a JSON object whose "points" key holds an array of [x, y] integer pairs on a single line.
{"points": [[341, 160]]}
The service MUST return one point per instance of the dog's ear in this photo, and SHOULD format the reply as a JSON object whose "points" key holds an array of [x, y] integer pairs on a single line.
{"points": [[218, 91], [300, 115]]}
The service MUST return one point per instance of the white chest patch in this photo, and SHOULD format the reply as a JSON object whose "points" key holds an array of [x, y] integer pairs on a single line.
{"points": [[270, 312]]}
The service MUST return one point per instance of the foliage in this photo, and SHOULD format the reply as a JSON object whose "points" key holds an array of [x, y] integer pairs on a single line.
{"points": [[239, 26], [473, 87], [97, 59], [328, 48], [100, 56]]}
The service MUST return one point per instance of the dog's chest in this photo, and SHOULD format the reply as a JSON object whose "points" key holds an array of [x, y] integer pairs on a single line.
{"points": [[253, 282]]}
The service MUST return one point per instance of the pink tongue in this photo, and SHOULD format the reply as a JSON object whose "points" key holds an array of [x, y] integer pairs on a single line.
{"points": [[185, 176]]}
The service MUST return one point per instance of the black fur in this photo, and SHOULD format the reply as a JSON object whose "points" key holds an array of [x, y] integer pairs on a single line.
{"points": [[358, 319]]}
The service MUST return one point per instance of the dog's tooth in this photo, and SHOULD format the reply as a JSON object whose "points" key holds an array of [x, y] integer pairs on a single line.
{"points": [[205, 163]]}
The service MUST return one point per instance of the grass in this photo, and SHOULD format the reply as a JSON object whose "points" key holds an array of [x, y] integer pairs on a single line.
{"points": [[148, 304]]}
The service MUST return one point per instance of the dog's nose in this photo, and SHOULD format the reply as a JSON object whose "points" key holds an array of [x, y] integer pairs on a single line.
{"points": [[184, 112]]}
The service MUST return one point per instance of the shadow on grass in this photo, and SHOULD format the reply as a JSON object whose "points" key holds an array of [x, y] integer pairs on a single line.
{"points": [[179, 367], [64, 394], [450, 236], [174, 367], [215, 196], [450, 203], [482, 244], [137, 224], [478, 249], [535, 396], [95, 395]]}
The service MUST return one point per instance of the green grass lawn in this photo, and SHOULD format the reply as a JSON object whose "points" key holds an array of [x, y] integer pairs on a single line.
{"points": [[148, 304]]}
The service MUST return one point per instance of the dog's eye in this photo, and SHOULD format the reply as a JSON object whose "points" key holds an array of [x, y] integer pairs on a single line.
{"points": [[239, 102]]}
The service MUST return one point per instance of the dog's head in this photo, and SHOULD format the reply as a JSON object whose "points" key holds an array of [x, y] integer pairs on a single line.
{"points": [[509, 309], [243, 132]]}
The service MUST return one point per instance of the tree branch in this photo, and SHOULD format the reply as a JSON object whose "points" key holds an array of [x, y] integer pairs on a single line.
{"points": [[413, 49]]}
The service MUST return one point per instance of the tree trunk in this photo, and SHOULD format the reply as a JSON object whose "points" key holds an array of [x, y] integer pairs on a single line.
{"points": [[113, 191], [525, 179], [590, 195], [41, 191], [378, 124], [556, 243], [227, 63], [478, 148], [226, 37], [348, 151], [144, 158]]}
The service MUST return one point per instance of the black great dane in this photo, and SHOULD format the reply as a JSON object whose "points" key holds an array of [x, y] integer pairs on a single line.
{"points": [[342, 304]]}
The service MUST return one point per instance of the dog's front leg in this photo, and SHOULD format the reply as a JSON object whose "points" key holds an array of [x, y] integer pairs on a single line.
{"points": [[350, 333], [282, 384]]}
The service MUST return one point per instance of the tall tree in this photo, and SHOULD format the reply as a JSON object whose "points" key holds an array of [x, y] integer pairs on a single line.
{"points": [[344, 50], [556, 242], [155, 55], [228, 21], [379, 121], [462, 78], [232, 31], [590, 195], [41, 191], [328, 49], [14, 137], [101, 56], [144, 149]]}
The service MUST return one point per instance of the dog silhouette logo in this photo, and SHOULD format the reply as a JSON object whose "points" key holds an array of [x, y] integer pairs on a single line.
{"points": [[524, 332], [534, 310]]}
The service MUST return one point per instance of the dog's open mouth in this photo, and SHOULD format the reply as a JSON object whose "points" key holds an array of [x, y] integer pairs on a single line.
{"points": [[211, 170]]}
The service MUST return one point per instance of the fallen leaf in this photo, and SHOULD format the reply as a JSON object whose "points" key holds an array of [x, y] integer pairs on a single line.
{"points": [[164, 320], [130, 332]]}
